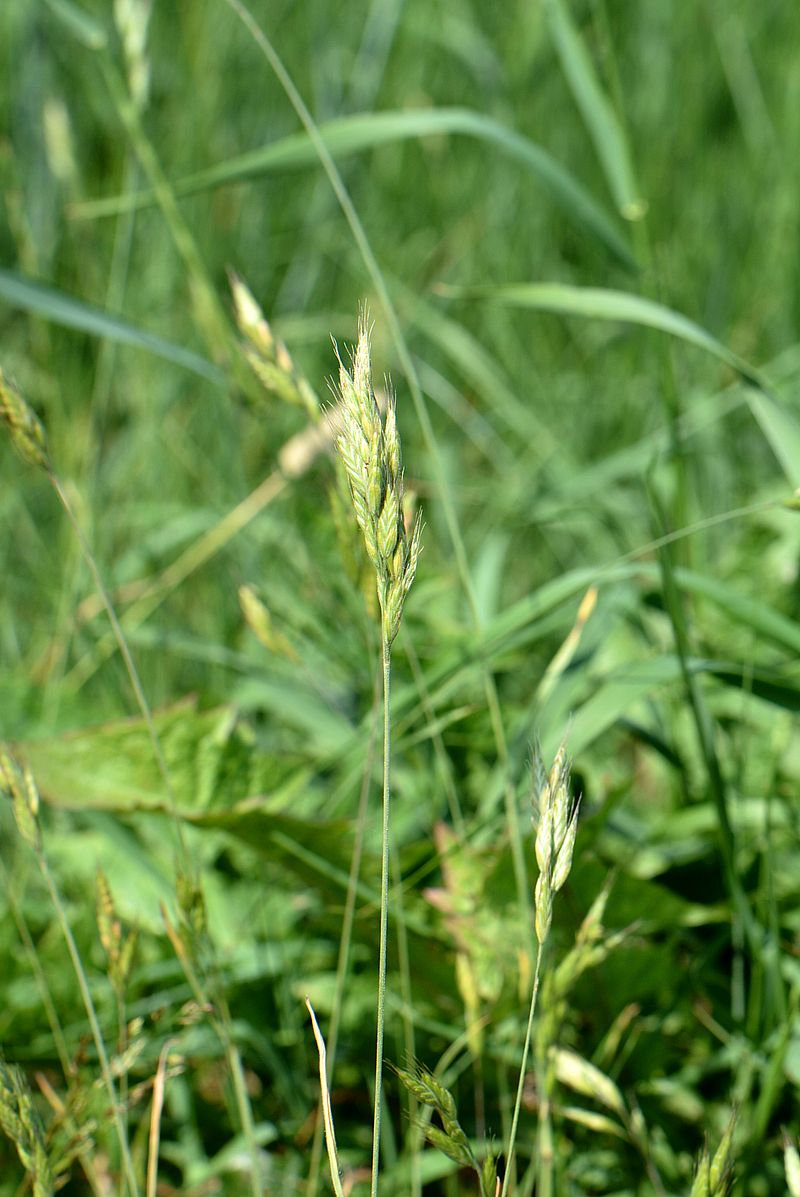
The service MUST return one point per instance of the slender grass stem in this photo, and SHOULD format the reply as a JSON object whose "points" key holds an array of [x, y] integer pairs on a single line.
{"points": [[125, 653], [220, 1020], [384, 919], [346, 938], [97, 1035], [188, 562], [409, 1037], [521, 1083]]}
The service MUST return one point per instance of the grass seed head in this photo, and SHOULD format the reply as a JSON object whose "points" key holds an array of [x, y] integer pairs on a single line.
{"points": [[26, 429], [700, 1185], [19, 785], [555, 819], [369, 448], [20, 1121], [268, 358], [720, 1174], [791, 1165]]}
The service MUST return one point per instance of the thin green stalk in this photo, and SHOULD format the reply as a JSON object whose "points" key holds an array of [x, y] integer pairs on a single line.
{"points": [[186, 563], [243, 1106], [97, 1186], [221, 1023], [544, 1138], [122, 1047], [209, 312], [409, 1037], [753, 932], [36, 968], [342, 964], [91, 1014], [521, 1084], [445, 766], [384, 918], [127, 658]]}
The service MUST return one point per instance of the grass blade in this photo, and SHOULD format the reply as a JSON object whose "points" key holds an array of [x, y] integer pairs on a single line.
{"points": [[65, 310], [330, 1135], [595, 107], [598, 303], [79, 24], [781, 432], [355, 134]]}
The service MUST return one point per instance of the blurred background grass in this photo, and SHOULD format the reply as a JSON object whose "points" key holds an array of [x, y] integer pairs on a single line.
{"points": [[564, 445]]}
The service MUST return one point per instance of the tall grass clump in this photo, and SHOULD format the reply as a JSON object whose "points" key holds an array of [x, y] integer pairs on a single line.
{"points": [[214, 612]]}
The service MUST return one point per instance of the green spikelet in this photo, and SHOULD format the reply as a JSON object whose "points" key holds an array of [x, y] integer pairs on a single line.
{"points": [[19, 785], [20, 1122], [26, 430], [370, 452]]}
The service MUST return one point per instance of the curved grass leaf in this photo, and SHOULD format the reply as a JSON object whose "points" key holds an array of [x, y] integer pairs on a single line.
{"points": [[752, 614], [63, 309], [619, 694], [598, 115], [354, 134], [79, 24], [597, 303], [768, 685], [781, 431]]}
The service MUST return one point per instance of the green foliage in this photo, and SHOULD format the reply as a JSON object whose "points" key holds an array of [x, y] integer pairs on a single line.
{"points": [[576, 230]]}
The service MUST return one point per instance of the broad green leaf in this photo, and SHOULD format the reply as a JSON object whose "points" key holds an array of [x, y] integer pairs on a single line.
{"points": [[354, 134], [63, 309], [210, 756], [598, 114], [597, 303]]}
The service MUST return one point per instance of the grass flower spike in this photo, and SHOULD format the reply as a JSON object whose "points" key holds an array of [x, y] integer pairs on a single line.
{"points": [[370, 450], [556, 822], [20, 1121], [268, 358], [27, 432]]}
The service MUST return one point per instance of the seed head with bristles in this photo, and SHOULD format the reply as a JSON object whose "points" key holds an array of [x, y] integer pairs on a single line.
{"points": [[714, 1176], [268, 358], [369, 448], [17, 783], [27, 432], [555, 819], [20, 1121]]}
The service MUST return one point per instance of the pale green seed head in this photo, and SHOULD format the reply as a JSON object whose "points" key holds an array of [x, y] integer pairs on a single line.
{"points": [[250, 320], [388, 530], [720, 1176], [392, 441], [564, 855], [544, 837], [26, 430], [370, 451], [555, 819], [700, 1186], [791, 1165], [543, 907]]}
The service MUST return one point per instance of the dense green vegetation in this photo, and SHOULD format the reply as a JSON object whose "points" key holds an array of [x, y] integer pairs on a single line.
{"points": [[576, 229]]}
